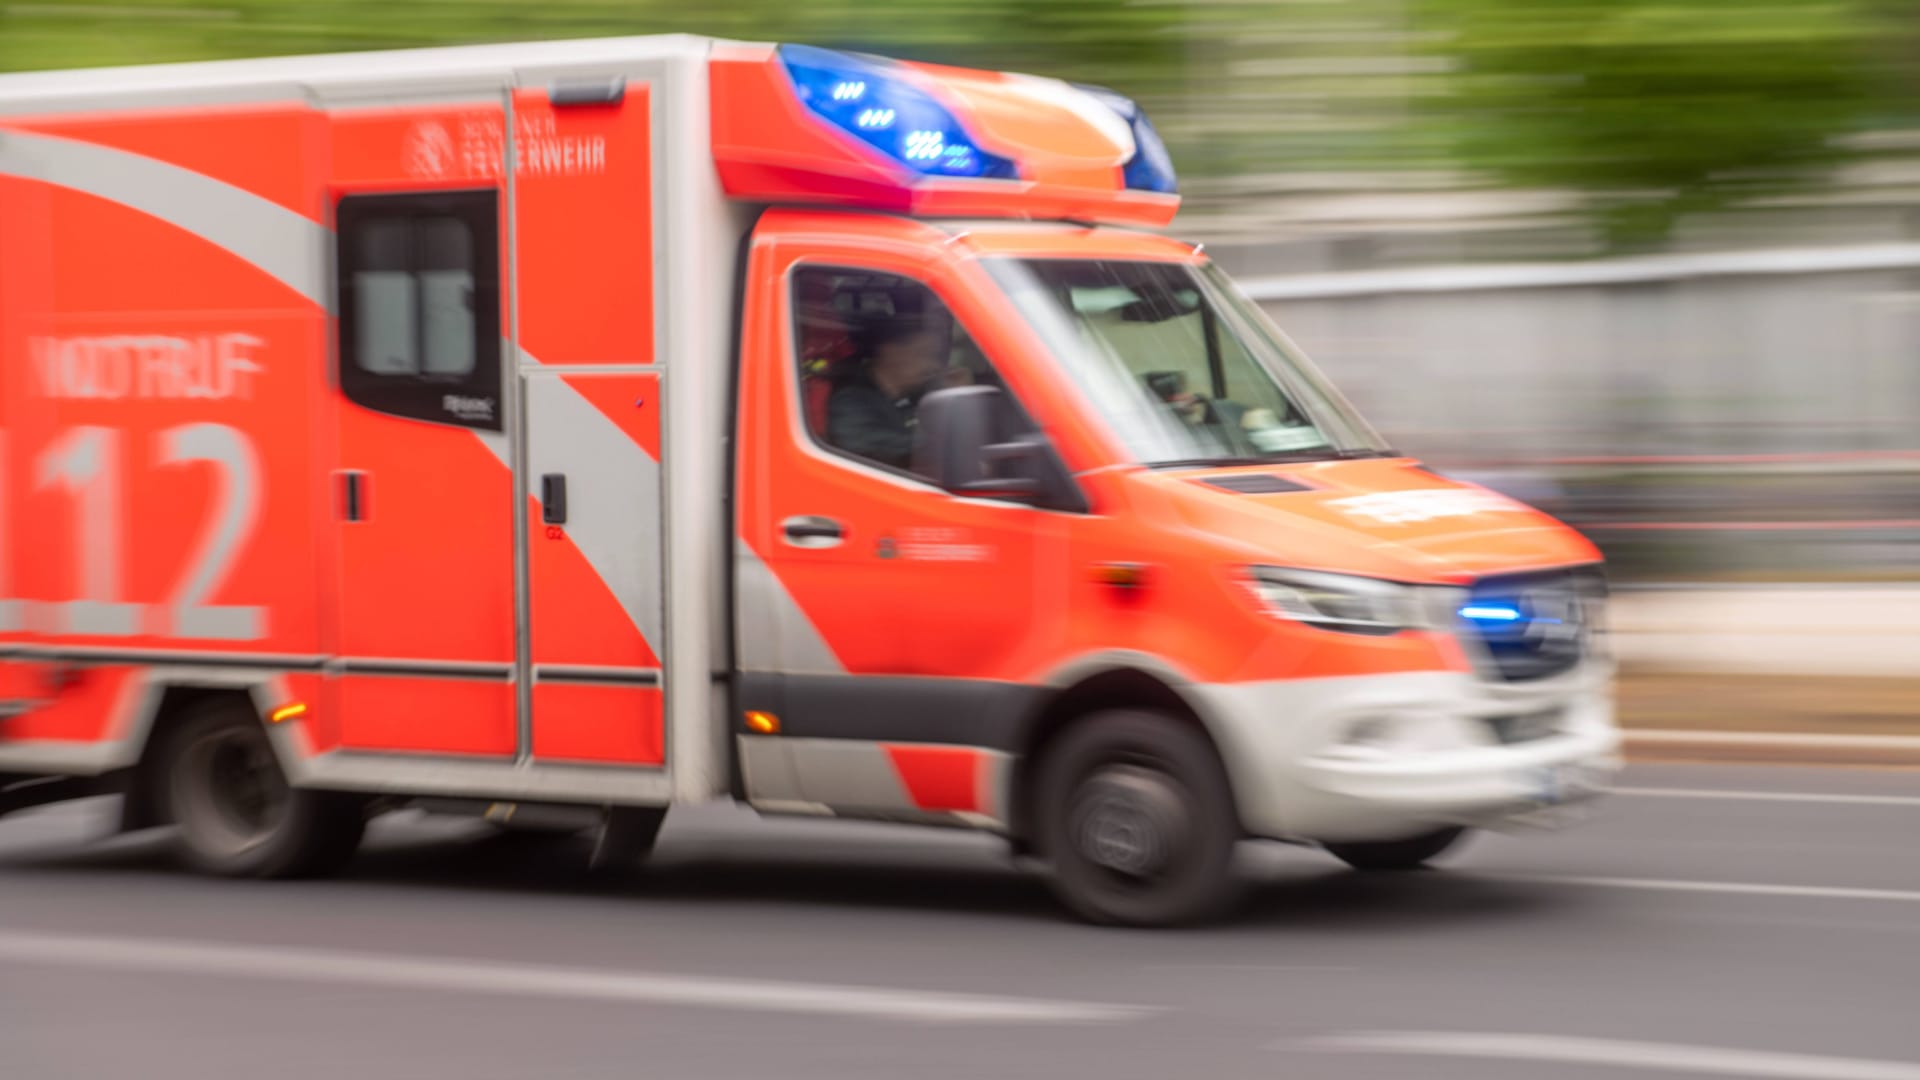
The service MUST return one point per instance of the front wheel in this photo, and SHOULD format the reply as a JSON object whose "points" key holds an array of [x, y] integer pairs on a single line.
{"points": [[1408, 854], [236, 813], [1135, 815]]}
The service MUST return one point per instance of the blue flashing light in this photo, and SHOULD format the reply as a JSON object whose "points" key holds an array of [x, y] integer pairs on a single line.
{"points": [[861, 97], [1504, 613], [1151, 167]]}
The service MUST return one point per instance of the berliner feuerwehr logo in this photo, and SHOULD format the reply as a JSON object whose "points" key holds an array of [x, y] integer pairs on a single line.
{"points": [[429, 150]]}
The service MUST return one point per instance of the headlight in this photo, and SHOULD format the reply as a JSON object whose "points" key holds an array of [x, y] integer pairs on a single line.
{"points": [[1354, 604]]}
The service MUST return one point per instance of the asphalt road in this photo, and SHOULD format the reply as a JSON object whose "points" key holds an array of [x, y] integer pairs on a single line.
{"points": [[1708, 921]]}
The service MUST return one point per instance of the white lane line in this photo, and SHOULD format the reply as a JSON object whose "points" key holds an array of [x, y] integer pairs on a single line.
{"points": [[1620, 1053], [1770, 796], [1740, 888], [1775, 738], [179, 957]]}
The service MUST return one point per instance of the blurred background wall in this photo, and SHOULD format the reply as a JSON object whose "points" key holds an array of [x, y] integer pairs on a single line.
{"points": [[1652, 263]]}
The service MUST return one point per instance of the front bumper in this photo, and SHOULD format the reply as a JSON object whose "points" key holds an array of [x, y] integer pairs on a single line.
{"points": [[1298, 775]]}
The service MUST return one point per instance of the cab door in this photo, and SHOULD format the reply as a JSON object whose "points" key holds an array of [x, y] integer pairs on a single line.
{"points": [[886, 623]]}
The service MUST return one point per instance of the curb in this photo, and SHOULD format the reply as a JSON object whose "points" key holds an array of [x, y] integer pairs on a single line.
{"points": [[1724, 747]]}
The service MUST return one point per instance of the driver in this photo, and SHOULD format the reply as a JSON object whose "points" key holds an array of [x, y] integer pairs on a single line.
{"points": [[871, 414]]}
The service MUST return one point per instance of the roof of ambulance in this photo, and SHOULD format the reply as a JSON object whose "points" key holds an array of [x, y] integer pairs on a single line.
{"points": [[1044, 239], [277, 77]]}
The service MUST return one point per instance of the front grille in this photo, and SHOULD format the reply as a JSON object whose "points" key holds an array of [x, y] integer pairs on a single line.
{"points": [[1532, 626]]}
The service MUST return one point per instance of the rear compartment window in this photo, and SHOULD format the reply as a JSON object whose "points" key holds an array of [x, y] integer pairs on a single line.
{"points": [[419, 306]]}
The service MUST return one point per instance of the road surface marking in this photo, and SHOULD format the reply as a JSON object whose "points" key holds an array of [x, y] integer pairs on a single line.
{"points": [[1776, 738], [1818, 892], [1620, 1053], [180, 957], [1770, 796]]}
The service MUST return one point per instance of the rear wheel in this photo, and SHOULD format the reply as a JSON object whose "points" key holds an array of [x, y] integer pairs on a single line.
{"points": [[1135, 815], [1408, 854], [236, 813]]}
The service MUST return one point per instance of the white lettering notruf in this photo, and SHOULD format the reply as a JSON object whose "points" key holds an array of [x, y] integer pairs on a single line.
{"points": [[157, 367]]}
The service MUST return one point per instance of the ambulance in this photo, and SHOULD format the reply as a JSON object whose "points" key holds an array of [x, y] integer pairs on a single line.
{"points": [[598, 427]]}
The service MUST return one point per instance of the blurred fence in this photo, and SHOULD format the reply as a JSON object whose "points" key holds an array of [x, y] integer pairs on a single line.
{"points": [[1725, 414]]}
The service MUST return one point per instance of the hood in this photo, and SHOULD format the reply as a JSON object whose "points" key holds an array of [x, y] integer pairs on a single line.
{"points": [[1390, 519]]}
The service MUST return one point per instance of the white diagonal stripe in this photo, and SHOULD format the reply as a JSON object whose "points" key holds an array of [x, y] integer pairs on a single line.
{"points": [[281, 243]]}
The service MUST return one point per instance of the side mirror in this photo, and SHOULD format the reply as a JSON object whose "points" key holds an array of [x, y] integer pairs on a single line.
{"points": [[966, 446]]}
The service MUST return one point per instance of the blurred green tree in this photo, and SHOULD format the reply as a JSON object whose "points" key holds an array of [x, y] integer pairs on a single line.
{"points": [[1659, 108], [1085, 39]]}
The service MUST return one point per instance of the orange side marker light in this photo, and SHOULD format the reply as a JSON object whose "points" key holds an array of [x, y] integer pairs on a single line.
{"points": [[293, 710], [764, 723]]}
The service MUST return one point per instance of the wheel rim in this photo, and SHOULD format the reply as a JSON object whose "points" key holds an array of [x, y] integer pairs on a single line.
{"points": [[1129, 822], [232, 794]]}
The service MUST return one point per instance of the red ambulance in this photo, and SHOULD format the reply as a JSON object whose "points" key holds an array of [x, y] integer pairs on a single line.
{"points": [[619, 424]]}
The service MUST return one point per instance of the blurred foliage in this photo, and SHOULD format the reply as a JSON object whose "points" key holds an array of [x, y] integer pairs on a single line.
{"points": [[1651, 108], [1075, 38], [1658, 108]]}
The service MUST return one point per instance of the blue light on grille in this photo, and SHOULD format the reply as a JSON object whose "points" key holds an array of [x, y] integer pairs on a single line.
{"points": [[876, 106], [1492, 613]]}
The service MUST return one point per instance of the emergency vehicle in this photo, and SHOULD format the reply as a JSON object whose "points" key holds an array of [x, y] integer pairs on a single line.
{"points": [[506, 427]]}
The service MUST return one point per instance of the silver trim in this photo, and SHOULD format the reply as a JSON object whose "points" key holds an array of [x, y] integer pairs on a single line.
{"points": [[592, 674], [423, 669], [513, 388], [399, 775], [60, 757], [82, 654]]}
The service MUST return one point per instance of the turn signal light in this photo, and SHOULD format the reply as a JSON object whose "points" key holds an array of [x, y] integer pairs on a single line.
{"points": [[291, 711], [764, 723]]}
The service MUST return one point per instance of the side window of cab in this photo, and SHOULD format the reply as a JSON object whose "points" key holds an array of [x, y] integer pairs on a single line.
{"points": [[871, 346]]}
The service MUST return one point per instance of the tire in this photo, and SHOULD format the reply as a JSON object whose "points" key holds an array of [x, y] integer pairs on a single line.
{"points": [[1392, 855], [236, 814], [626, 837], [1134, 812]]}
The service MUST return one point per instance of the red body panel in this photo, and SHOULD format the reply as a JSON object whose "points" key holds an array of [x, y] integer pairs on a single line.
{"points": [[586, 275], [615, 725]]}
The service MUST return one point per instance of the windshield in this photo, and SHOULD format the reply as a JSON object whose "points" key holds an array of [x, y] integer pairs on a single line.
{"points": [[1184, 369]]}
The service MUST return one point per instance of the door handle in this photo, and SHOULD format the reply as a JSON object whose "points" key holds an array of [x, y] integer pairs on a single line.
{"points": [[353, 495], [553, 499], [813, 532]]}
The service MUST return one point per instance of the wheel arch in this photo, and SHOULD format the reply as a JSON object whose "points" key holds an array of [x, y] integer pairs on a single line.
{"points": [[169, 696], [1083, 688]]}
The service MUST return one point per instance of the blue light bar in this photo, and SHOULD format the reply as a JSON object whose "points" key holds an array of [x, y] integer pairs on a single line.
{"points": [[1492, 613], [1151, 167], [876, 106]]}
